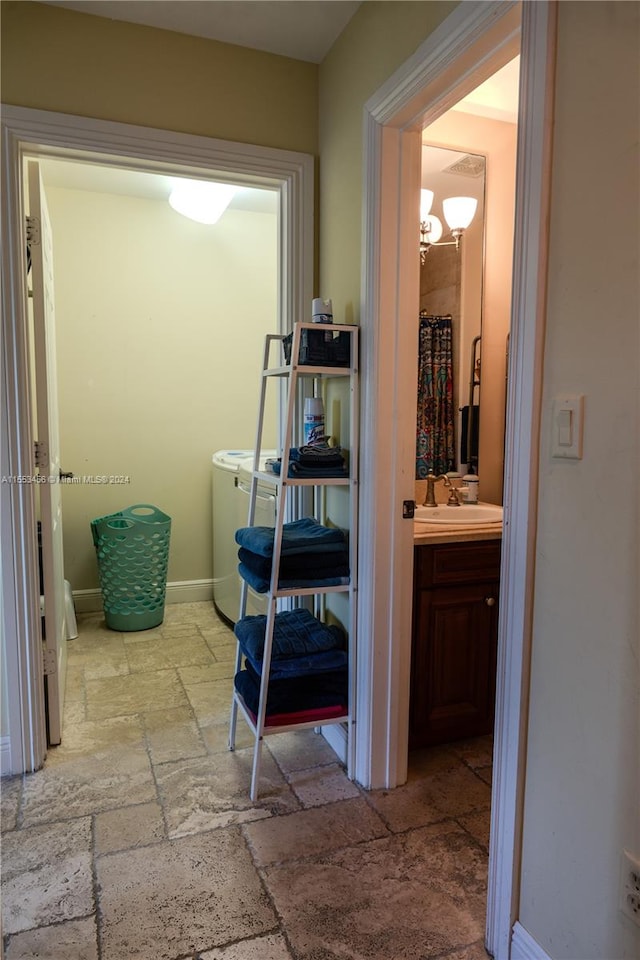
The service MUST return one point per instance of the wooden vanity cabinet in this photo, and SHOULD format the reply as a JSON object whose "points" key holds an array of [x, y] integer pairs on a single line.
{"points": [[454, 642]]}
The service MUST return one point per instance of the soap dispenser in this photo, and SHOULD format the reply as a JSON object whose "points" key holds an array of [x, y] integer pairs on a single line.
{"points": [[471, 484]]}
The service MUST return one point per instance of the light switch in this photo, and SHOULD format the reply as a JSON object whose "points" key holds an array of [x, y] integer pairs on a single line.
{"points": [[565, 423], [567, 426]]}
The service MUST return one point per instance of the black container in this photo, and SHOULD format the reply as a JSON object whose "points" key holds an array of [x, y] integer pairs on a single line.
{"points": [[319, 350]]}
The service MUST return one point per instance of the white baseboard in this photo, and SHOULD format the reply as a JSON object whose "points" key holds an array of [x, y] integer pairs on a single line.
{"points": [[524, 947], [181, 591], [336, 736], [5, 756]]}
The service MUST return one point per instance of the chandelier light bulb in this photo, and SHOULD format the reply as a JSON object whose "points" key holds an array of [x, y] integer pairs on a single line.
{"points": [[434, 228], [426, 200], [459, 211]]}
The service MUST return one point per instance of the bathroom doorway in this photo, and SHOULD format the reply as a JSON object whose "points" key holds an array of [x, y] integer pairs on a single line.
{"points": [[469, 155], [463, 53]]}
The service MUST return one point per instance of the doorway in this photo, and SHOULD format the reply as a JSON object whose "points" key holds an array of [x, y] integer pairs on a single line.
{"points": [[39, 135], [464, 51], [468, 155], [159, 326]]}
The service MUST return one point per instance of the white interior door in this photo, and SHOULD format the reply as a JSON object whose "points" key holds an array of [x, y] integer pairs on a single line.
{"points": [[48, 451]]}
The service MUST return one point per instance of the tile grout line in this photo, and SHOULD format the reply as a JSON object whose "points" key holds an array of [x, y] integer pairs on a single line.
{"points": [[96, 888]]}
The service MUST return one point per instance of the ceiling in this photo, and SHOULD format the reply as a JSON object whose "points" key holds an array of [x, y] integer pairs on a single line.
{"points": [[301, 29], [97, 178]]}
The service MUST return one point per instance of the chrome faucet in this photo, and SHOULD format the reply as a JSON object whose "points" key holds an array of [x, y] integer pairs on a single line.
{"points": [[430, 497]]}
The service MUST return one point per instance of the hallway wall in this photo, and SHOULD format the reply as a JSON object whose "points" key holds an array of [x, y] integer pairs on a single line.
{"points": [[583, 758], [95, 67]]}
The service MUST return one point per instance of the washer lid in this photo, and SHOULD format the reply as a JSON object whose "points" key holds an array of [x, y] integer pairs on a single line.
{"points": [[245, 471], [230, 459]]}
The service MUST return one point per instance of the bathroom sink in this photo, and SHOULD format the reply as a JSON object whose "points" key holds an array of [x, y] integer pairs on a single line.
{"points": [[467, 514]]}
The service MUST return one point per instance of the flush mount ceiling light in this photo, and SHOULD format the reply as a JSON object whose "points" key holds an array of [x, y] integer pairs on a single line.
{"points": [[201, 200], [458, 212]]}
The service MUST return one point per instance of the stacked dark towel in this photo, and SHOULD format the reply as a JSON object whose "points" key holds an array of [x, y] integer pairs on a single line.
{"points": [[302, 645], [310, 555], [289, 696], [314, 461], [300, 566]]}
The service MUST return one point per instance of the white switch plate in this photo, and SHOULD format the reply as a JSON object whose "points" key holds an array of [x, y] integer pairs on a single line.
{"points": [[567, 427]]}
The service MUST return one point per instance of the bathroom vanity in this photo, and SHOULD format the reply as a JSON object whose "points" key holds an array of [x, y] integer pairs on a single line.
{"points": [[455, 629]]}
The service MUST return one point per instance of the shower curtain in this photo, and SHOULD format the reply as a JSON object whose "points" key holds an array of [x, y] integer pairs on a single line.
{"points": [[435, 449]]}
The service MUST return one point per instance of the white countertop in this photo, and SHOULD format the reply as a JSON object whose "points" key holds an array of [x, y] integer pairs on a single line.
{"points": [[426, 533]]}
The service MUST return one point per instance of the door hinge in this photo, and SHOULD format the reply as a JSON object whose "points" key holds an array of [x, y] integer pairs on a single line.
{"points": [[49, 662], [33, 231], [41, 453]]}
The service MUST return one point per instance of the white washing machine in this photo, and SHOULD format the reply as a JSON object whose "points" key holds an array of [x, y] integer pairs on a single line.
{"points": [[230, 493]]}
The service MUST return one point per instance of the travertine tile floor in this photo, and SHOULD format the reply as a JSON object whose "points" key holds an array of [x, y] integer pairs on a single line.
{"points": [[137, 840]]}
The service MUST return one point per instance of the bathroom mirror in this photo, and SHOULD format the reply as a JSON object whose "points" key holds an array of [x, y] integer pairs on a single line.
{"points": [[450, 334]]}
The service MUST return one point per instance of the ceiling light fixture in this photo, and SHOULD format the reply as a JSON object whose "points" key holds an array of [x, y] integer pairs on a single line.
{"points": [[458, 212], [201, 200]]}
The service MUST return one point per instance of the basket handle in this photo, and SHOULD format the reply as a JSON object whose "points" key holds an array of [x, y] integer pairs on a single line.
{"points": [[146, 513]]}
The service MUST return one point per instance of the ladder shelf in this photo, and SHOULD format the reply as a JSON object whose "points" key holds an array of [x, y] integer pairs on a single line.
{"points": [[330, 351]]}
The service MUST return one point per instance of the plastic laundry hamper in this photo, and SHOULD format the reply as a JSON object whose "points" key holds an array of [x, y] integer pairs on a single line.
{"points": [[132, 547]]}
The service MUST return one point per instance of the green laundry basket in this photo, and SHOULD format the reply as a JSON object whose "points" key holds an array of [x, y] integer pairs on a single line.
{"points": [[132, 548]]}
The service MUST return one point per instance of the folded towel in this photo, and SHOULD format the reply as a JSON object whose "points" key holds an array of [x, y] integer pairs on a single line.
{"points": [[296, 633], [316, 450], [299, 536], [309, 565], [262, 584], [316, 454], [303, 693], [299, 471], [305, 666]]}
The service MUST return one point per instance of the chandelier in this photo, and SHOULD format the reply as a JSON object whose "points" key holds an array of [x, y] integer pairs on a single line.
{"points": [[458, 212]]}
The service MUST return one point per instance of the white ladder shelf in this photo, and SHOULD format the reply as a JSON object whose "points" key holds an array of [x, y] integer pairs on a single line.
{"points": [[295, 376]]}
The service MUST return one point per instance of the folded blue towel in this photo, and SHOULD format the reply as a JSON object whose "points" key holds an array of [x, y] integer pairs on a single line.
{"points": [[286, 696], [296, 633], [315, 450], [301, 666], [300, 536], [299, 565], [316, 454], [299, 471], [261, 584]]}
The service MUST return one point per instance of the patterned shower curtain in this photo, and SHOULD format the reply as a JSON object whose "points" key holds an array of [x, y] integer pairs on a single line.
{"points": [[435, 450]]}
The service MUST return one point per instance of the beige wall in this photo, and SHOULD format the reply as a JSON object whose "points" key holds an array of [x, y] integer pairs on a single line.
{"points": [[95, 67], [583, 787], [379, 38], [161, 325]]}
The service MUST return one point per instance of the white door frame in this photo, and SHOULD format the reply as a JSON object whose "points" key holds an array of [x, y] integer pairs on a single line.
{"points": [[40, 133], [462, 52]]}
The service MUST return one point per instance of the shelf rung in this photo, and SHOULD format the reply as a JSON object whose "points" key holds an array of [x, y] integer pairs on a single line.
{"points": [[311, 591], [303, 481], [307, 370]]}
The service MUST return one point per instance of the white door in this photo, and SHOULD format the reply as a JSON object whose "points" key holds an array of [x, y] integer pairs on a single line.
{"points": [[48, 451]]}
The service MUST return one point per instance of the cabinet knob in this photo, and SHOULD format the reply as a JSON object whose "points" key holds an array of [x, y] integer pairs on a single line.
{"points": [[490, 601]]}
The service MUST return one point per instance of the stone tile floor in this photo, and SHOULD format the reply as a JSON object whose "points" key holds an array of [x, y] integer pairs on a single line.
{"points": [[138, 841]]}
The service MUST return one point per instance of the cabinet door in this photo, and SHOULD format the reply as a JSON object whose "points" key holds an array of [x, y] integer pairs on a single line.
{"points": [[454, 663]]}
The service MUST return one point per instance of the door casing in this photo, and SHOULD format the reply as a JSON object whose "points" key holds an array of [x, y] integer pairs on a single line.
{"points": [[37, 133]]}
